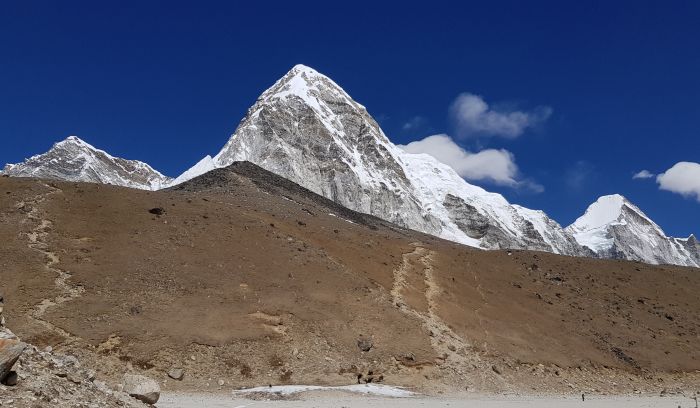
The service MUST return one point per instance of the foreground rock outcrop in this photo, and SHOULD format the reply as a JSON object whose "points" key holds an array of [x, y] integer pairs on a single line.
{"points": [[49, 379], [30, 377], [10, 350]]}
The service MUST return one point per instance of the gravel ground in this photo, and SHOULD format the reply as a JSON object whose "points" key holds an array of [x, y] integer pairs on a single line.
{"points": [[351, 401]]}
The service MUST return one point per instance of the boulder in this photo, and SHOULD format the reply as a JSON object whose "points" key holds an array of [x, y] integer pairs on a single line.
{"points": [[142, 388], [10, 350], [176, 373], [365, 344]]}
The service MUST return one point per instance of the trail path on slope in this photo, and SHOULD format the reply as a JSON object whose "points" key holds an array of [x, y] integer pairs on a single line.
{"points": [[37, 241], [454, 352]]}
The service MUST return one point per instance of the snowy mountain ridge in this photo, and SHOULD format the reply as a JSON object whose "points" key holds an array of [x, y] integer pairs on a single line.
{"points": [[73, 159], [307, 129]]}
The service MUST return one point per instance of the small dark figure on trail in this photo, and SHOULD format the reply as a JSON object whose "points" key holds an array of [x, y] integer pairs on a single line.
{"points": [[583, 397]]}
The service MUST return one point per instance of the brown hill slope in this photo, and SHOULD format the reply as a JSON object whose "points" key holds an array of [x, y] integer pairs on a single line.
{"points": [[243, 276]]}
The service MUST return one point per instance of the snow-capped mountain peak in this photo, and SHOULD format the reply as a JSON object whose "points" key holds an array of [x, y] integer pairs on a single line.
{"points": [[73, 159], [306, 128]]}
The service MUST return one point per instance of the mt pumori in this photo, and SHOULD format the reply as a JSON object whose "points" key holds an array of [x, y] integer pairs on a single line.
{"points": [[307, 129]]}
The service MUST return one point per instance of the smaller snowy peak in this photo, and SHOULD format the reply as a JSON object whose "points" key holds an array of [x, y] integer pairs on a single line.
{"points": [[613, 227], [73, 159]]}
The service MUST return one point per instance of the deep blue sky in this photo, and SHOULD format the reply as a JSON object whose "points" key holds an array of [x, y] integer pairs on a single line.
{"points": [[167, 82]]}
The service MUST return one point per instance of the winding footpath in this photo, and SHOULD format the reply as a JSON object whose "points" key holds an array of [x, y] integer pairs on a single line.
{"points": [[38, 242]]}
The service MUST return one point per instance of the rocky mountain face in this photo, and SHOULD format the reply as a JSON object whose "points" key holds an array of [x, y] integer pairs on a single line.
{"points": [[309, 130], [75, 160], [615, 228]]}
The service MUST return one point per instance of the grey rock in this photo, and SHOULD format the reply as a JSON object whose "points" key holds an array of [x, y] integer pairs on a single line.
{"points": [[365, 344], [176, 374], [10, 351], [142, 388]]}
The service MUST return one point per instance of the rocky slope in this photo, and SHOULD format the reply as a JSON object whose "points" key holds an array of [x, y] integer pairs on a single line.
{"points": [[242, 278], [75, 160], [615, 228]]}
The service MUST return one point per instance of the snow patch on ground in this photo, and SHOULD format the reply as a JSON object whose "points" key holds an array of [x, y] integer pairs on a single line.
{"points": [[366, 389]]}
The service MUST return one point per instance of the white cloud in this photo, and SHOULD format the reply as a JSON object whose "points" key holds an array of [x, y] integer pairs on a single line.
{"points": [[497, 166], [414, 123], [644, 174], [683, 178], [474, 117]]}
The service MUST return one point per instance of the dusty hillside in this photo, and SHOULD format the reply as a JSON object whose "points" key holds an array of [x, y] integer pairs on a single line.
{"points": [[244, 277]]}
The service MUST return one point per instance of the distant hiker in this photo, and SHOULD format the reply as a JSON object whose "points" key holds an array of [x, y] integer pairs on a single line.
{"points": [[583, 397]]}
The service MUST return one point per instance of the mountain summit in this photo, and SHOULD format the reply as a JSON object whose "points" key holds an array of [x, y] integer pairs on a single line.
{"points": [[76, 160]]}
